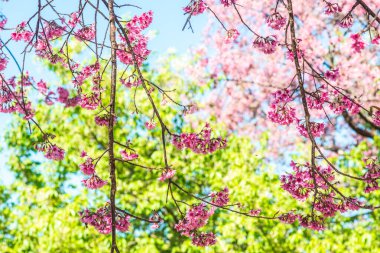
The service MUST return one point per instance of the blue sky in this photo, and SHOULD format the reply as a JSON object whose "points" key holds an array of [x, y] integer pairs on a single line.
{"points": [[168, 21]]}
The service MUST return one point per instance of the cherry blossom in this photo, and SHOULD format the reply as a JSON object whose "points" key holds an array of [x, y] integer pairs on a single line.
{"points": [[220, 198], [167, 174], [94, 182]]}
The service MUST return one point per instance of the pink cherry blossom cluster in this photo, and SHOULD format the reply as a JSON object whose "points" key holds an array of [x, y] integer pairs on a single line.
{"points": [[203, 239], [74, 19], [52, 151], [200, 143], [150, 125], [276, 21], [317, 99], [227, 3], [167, 174], [347, 21], [156, 220], [3, 22], [254, 212], [317, 129], [101, 220], [376, 118], [372, 174], [342, 103], [128, 156], [280, 110], [357, 44], [195, 218], [3, 63], [86, 33], [301, 182], [85, 73], [290, 54], [22, 33], [89, 101], [131, 81], [312, 222], [88, 168], [220, 198], [329, 205], [139, 42], [232, 35], [196, 7], [332, 8], [52, 30], [332, 74], [288, 218], [104, 119], [267, 45], [94, 182]]}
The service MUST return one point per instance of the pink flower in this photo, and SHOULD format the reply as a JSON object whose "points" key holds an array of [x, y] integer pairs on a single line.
{"points": [[281, 112], [332, 74], [227, 3], [42, 87], [88, 168], [87, 33], [276, 21], [358, 44], [139, 42], [232, 35], [101, 220], [312, 222], [317, 129], [3, 22], [317, 99], [342, 103], [3, 63], [53, 152], [254, 212], [52, 30], [347, 21], [301, 182], [90, 101], [167, 175], [94, 182], [132, 81], [376, 40], [21, 33], [74, 19], [332, 8], [63, 95], [220, 198], [201, 143], [122, 223], [203, 239], [195, 7], [83, 154], [376, 118], [195, 218], [128, 156], [288, 218], [372, 174], [266, 45], [290, 54], [150, 125], [103, 120]]}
